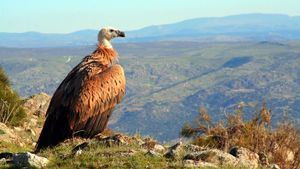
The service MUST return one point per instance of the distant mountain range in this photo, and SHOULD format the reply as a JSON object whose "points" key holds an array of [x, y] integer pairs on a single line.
{"points": [[246, 27]]}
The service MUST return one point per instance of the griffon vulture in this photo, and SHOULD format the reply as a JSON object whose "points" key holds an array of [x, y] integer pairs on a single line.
{"points": [[84, 101]]}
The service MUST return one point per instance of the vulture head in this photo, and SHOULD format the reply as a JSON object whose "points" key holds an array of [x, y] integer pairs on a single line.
{"points": [[108, 33]]}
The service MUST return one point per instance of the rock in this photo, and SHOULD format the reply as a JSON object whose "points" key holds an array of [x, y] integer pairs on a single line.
{"points": [[29, 160], [159, 148], [245, 157], [194, 148], [173, 151], [32, 126], [32, 132], [8, 135], [198, 164], [5, 131], [190, 164], [2, 161], [37, 104], [120, 139], [33, 121], [214, 156], [100, 137], [18, 129], [152, 153]]}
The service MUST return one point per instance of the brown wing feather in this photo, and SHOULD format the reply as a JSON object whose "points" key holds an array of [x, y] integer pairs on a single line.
{"points": [[82, 103], [99, 95]]}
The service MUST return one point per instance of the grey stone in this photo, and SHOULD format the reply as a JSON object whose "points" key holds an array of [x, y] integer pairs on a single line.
{"points": [[194, 148], [37, 104], [158, 148], [29, 160], [152, 153], [214, 156], [245, 157]]}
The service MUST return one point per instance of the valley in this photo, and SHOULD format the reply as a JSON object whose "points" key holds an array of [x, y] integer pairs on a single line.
{"points": [[168, 81]]}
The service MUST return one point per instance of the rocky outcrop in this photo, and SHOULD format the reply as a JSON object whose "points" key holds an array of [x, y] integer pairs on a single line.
{"points": [[189, 155], [152, 146], [159, 148], [24, 160], [10, 135], [213, 156], [6, 133], [193, 156], [245, 157], [29, 160], [237, 157], [194, 148], [37, 104], [153, 153]]}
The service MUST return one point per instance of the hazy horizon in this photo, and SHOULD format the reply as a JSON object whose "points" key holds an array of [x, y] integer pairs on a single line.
{"points": [[157, 24], [69, 16]]}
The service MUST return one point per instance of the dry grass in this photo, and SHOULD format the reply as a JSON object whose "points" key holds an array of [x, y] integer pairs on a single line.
{"points": [[281, 145]]}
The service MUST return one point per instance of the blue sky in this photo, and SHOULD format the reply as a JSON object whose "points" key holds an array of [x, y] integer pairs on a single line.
{"points": [[63, 16]]}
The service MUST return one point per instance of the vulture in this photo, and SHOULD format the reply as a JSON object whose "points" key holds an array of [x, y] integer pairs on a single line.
{"points": [[85, 99]]}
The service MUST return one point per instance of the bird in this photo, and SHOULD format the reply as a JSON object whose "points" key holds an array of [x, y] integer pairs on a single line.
{"points": [[85, 99]]}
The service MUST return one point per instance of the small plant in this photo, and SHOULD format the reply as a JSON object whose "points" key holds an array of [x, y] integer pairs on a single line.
{"points": [[281, 144], [11, 111]]}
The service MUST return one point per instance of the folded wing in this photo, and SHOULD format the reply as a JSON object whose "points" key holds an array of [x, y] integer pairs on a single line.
{"points": [[82, 104]]}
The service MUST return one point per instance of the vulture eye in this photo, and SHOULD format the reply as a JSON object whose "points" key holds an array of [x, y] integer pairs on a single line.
{"points": [[111, 30]]}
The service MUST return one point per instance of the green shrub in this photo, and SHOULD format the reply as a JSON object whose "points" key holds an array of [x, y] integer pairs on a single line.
{"points": [[11, 111]]}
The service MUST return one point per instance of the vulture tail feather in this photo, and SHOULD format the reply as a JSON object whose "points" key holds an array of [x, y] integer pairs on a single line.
{"points": [[55, 130]]}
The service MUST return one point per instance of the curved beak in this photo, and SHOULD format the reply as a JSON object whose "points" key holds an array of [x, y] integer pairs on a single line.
{"points": [[120, 33]]}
